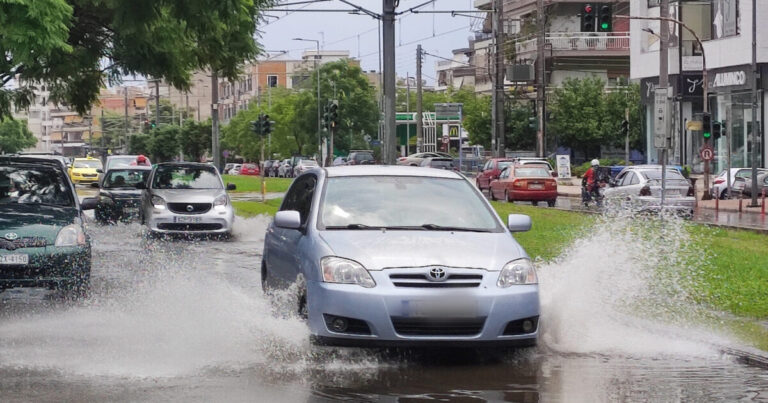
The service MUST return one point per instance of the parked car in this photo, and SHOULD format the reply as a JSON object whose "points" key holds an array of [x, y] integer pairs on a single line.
{"points": [[525, 182], [416, 159], [285, 170], [303, 166], [186, 197], [250, 169], [639, 188], [343, 242], [361, 158], [490, 171], [120, 194], [440, 163], [339, 161], [744, 185], [266, 168], [228, 167], [236, 169], [85, 170], [720, 183], [43, 242]]}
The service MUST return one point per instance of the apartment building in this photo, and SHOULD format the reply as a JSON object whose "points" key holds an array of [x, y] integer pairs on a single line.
{"points": [[725, 30], [456, 73]]}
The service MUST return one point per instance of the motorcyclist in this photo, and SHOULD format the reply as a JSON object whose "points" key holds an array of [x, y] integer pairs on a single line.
{"points": [[589, 183], [141, 160]]}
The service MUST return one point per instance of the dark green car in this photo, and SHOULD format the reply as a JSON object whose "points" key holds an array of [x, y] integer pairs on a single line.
{"points": [[42, 239]]}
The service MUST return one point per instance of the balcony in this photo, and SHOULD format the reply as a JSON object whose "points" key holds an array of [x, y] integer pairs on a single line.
{"points": [[580, 43]]}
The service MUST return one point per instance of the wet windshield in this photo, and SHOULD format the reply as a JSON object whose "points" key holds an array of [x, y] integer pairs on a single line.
{"points": [[33, 185], [121, 161], [125, 178], [531, 172], [673, 176], [179, 177], [400, 201], [96, 164]]}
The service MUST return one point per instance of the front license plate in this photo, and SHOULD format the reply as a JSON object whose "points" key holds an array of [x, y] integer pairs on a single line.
{"points": [[15, 259], [443, 308], [535, 186], [186, 220], [131, 210]]}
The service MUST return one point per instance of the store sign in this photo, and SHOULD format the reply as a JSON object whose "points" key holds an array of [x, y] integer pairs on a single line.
{"points": [[563, 166], [693, 63], [729, 79], [693, 85]]}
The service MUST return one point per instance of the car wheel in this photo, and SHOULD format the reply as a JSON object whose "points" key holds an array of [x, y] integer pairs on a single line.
{"points": [[506, 197], [491, 195], [535, 203], [264, 277], [303, 310], [551, 203], [723, 194]]}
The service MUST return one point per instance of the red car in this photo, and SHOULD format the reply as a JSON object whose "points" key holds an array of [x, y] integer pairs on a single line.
{"points": [[528, 182], [491, 170], [249, 169]]}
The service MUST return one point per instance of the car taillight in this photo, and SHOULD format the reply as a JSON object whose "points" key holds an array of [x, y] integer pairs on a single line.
{"points": [[519, 184], [402, 159], [719, 181], [552, 184], [690, 191], [645, 191]]}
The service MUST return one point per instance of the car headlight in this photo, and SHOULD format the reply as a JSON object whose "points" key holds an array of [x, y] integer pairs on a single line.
{"points": [[158, 202], [220, 202], [345, 271], [71, 235], [517, 272], [105, 199]]}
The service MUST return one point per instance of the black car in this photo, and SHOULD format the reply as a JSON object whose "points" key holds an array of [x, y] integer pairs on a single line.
{"points": [[361, 158], [42, 238], [119, 197]]}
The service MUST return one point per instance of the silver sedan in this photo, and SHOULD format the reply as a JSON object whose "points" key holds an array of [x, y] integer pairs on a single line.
{"points": [[393, 255], [186, 198], [639, 188]]}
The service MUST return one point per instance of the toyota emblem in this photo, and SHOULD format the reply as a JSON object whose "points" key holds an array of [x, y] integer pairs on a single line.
{"points": [[11, 236], [437, 274], [190, 208]]}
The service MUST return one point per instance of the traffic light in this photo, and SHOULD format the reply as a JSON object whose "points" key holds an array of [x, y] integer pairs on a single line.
{"points": [[326, 116], [605, 18], [588, 18], [153, 124], [706, 126], [333, 113], [256, 126], [266, 125], [624, 127], [533, 122], [717, 130]]}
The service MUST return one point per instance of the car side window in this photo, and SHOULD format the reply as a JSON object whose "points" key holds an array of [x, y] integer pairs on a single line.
{"points": [[504, 174], [619, 178], [634, 180], [299, 197], [628, 179]]}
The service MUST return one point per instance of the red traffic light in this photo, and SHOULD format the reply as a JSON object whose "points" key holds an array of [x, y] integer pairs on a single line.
{"points": [[588, 9]]}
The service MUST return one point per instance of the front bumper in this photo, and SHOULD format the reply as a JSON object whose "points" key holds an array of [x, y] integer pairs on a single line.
{"points": [[388, 311], [214, 221], [674, 204], [49, 267], [85, 179]]}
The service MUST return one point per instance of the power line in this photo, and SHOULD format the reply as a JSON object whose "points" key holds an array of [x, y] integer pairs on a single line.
{"points": [[421, 39]]}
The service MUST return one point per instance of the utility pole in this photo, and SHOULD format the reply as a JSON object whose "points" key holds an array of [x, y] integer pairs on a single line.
{"points": [[419, 105], [125, 101], [498, 79], [215, 119], [541, 93], [388, 45], [664, 83], [755, 100], [626, 137], [407, 109]]}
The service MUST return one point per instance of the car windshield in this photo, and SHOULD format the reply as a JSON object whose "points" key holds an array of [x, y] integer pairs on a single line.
{"points": [[308, 162], [402, 202], [120, 162], [673, 176], [125, 178], [96, 164], [504, 164], [184, 177], [531, 172], [34, 185], [363, 157]]}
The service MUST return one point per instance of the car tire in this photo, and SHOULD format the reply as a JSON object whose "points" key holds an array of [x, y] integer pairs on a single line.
{"points": [[722, 194], [491, 195], [264, 277], [551, 203], [303, 311], [534, 203], [506, 197]]}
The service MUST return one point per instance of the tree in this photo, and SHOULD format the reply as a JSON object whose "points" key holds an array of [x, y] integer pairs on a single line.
{"points": [[73, 46], [15, 136], [165, 143], [195, 139], [616, 102], [577, 115], [140, 144]]}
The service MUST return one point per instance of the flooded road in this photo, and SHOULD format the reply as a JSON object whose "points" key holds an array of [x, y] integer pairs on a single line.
{"points": [[176, 320]]}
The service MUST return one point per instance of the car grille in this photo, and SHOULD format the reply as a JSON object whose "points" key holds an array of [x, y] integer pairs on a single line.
{"points": [[182, 208], [188, 227], [423, 280], [438, 327]]}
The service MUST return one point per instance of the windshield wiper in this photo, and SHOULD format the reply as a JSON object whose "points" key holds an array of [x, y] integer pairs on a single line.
{"points": [[352, 226], [374, 227], [435, 227]]}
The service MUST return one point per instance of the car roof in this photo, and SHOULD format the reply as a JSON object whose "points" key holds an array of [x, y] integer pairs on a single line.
{"points": [[389, 170], [133, 167], [186, 164], [30, 160]]}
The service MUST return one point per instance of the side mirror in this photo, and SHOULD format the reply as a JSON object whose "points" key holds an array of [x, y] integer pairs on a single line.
{"points": [[95, 184], [554, 174], [231, 186], [141, 185], [519, 223], [289, 219], [89, 203], [99, 170]]}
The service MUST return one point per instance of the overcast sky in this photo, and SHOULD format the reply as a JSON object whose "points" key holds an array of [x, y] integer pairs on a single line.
{"points": [[438, 34]]}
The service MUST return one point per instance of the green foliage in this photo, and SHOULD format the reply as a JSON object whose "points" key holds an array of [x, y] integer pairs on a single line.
{"points": [[140, 144], [195, 139], [584, 116], [255, 208], [161, 144], [250, 184], [15, 136], [75, 45]]}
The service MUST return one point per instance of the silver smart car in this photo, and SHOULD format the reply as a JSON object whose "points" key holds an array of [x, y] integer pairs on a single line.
{"points": [[186, 198], [397, 255]]}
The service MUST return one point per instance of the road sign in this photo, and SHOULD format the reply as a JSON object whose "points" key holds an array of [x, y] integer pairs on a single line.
{"points": [[563, 166], [446, 140], [376, 143], [707, 153], [449, 111], [367, 138], [661, 118]]}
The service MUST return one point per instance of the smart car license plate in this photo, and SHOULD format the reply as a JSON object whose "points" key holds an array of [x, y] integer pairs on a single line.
{"points": [[441, 308], [186, 220], [15, 259], [535, 186], [131, 210]]}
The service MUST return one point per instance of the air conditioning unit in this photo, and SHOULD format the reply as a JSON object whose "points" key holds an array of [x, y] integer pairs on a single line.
{"points": [[520, 72]]}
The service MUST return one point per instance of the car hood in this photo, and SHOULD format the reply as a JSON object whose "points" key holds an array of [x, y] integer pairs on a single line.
{"points": [[121, 193], [188, 195], [35, 221], [381, 249]]}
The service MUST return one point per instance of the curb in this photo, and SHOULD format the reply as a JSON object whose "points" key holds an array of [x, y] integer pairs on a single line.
{"points": [[751, 357]]}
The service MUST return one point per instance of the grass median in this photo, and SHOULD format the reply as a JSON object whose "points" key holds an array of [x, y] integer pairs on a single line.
{"points": [[247, 183], [734, 277]]}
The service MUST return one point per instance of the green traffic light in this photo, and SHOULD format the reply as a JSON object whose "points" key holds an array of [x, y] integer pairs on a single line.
{"points": [[707, 135], [604, 25]]}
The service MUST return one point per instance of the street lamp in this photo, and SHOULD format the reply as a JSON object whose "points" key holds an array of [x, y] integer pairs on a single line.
{"points": [[317, 68]]}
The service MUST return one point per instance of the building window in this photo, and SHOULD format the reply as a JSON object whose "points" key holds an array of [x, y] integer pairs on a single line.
{"points": [[272, 81], [725, 18]]}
